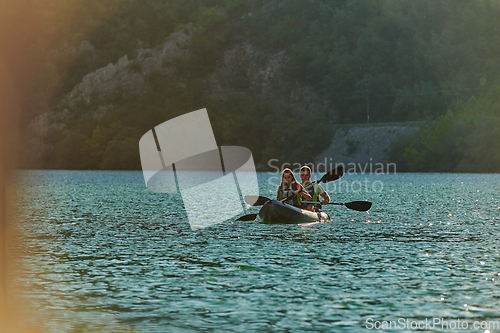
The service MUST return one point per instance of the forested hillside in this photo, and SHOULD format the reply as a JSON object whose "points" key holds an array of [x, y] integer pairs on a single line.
{"points": [[399, 59]]}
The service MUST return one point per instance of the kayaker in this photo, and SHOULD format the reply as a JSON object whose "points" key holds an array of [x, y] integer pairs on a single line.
{"points": [[316, 191], [290, 188]]}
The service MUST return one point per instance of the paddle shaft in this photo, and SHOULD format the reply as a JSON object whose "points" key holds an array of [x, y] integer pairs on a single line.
{"points": [[360, 206], [328, 177], [303, 189], [262, 200], [251, 217], [319, 203]]}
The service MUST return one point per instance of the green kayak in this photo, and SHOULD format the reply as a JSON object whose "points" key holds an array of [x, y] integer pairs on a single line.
{"points": [[274, 211]]}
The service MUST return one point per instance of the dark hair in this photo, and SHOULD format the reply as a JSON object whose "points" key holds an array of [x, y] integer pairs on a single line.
{"points": [[288, 171], [306, 168]]}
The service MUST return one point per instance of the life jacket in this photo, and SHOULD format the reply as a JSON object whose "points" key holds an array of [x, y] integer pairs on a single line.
{"points": [[285, 191], [312, 193]]}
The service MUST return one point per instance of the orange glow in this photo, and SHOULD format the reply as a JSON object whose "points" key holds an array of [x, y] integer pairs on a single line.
{"points": [[29, 29]]}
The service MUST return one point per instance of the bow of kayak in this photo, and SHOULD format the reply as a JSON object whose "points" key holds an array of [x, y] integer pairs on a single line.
{"points": [[277, 212]]}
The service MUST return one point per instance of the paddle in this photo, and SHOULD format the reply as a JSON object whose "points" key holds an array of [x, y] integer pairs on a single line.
{"points": [[248, 217], [330, 176], [361, 206], [257, 200]]}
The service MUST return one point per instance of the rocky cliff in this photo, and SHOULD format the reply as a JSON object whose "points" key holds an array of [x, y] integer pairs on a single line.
{"points": [[364, 146], [243, 68], [129, 76], [260, 73]]}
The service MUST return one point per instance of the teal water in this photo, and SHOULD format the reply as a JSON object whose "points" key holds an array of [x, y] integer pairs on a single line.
{"points": [[102, 253]]}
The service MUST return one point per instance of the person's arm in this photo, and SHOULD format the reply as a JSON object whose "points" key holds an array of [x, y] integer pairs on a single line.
{"points": [[304, 193], [326, 198], [322, 193]]}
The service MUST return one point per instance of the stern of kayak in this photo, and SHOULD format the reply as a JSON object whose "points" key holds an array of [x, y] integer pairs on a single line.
{"points": [[277, 212]]}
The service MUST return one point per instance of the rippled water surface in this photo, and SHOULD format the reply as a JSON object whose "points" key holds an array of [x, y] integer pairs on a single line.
{"points": [[102, 253]]}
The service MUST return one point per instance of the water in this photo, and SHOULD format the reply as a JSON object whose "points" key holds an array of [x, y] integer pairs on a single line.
{"points": [[102, 253]]}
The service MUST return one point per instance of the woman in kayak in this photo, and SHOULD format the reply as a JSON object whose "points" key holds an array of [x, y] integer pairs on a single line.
{"points": [[291, 188]]}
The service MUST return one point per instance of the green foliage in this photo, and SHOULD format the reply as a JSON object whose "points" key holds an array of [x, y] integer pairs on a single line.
{"points": [[468, 141], [92, 149], [413, 60], [295, 136], [121, 155], [69, 154]]}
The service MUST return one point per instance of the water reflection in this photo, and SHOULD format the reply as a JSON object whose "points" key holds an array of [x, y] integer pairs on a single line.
{"points": [[105, 250]]}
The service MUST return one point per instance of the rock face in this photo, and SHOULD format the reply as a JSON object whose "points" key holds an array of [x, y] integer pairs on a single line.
{"points": [[362, 146], [243, 68], [162, 58], [261, 74], [128, 76], [96, 88], [104, 82]]}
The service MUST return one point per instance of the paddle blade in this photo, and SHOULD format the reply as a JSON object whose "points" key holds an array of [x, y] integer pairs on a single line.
{"points": [[361, 206], [249, 217], [256, 200], [332, 175]]}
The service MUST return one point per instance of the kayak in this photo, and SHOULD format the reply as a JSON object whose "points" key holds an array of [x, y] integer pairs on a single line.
{"points": [[275, 211]]}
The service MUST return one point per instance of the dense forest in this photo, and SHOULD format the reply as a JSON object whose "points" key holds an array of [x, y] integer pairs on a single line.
{"points": [[407, 60]]}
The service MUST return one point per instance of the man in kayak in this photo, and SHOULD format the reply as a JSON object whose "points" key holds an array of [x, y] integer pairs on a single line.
{"points": [[290, 188], [316, 191]]}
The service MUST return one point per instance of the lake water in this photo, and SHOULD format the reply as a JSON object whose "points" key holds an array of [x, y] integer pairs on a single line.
{"points": [[102, 253]]}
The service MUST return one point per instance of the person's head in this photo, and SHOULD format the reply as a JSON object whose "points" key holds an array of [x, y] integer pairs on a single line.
{"points": [[305, 173], [287, 176]]}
